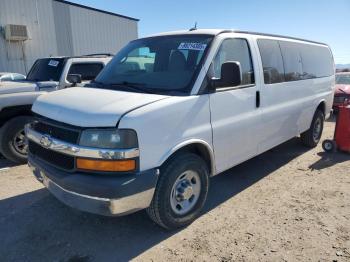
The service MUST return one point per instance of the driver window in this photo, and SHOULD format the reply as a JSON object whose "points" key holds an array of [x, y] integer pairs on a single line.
{"points": [[235, 50]]}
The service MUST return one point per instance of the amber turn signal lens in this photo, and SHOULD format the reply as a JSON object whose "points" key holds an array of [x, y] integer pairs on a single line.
{"points": [[106, 165]]}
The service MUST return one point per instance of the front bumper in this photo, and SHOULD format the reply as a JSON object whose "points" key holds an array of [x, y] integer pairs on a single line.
{"points": [[100, 194]]}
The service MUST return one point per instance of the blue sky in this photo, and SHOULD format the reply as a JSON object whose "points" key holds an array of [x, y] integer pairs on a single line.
{"points": [[320, 20]]}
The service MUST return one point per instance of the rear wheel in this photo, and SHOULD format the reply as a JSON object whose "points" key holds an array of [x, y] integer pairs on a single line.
{"points": [[13, 144], [312, 136], [181, 191]]}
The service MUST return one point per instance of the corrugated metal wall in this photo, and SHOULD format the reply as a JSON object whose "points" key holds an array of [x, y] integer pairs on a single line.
{"points": [[103, 30], [63, 29], [57, 28]]}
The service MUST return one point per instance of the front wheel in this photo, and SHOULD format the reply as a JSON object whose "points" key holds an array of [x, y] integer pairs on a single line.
{"points": [[181, 191], [13, 144], [312, 136]]}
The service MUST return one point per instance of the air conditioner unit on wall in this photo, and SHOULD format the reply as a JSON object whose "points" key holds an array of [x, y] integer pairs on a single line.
{"points": [[16, 32]]}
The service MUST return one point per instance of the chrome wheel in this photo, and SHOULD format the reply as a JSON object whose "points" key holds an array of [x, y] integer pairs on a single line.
{"points": [[317, 129], [185, 192], [19, 143]]}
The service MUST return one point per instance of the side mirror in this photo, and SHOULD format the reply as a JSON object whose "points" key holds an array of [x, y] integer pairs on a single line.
{"points": [[231, 75], [74, 79]]}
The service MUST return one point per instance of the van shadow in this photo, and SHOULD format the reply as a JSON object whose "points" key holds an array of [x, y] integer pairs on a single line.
{"points": [[36, 226]]}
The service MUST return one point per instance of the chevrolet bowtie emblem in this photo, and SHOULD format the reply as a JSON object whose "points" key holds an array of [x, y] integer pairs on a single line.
{"points": [[46, 141]]}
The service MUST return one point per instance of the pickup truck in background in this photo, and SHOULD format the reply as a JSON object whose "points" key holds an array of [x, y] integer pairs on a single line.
{"points": [[46, 75]]}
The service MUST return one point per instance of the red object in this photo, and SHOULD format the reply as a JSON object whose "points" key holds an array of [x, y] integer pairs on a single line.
{"points": [[341, 96], [342, 90], [342, 129]]}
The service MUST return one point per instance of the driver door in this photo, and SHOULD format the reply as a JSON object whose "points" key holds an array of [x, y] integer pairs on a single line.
{"points": [[235, 114]]}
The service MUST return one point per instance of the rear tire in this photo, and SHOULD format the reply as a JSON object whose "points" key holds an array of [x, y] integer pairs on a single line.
{"points": [[312, 136], [181, 191], [12, 140]]}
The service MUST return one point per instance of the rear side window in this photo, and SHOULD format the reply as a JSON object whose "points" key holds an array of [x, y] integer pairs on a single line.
{"points": [[294, 61], [88, 71], [235, 50], [317, 61], [293, 68], [272, 61]]}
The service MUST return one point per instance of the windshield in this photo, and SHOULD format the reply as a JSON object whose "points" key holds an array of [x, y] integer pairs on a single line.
{"points": [[47, 69], [342, 79], [163, 64]]}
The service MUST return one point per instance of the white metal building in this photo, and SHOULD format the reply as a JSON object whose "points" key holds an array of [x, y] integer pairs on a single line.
{"points": [[57, 28]]}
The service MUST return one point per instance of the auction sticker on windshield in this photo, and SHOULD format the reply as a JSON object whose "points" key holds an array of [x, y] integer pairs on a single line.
{"points": [[53, 63], [192, 46]]}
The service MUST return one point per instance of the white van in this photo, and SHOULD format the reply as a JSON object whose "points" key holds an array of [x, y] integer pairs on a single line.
{"points": [[172, 110]]}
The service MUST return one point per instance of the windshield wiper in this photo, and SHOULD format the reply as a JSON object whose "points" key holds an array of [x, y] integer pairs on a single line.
{"points": [[138, 87], [134, 86], [341, 90]]}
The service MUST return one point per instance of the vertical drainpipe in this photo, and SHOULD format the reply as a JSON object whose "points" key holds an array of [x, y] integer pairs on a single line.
{"points": [[24, 58], [37, 12]]}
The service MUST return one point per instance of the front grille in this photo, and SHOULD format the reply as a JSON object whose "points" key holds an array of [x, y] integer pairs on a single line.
{"points": [[64, 134], [56, 159]]}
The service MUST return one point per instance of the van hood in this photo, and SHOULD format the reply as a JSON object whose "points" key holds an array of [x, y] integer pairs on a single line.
{"points": [[90, 107], [26, 86]]}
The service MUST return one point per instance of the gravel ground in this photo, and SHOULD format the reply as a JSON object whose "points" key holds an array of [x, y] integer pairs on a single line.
{"points": [[289, 204]]}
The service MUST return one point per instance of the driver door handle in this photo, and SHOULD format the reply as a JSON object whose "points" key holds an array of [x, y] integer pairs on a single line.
{"points": [[257, 99]]}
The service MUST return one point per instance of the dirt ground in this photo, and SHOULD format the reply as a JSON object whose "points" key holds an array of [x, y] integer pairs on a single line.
{"points": [[289, 204]]}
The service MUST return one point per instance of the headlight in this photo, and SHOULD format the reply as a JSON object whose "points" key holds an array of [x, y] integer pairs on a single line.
{"points": [[109, 138]]}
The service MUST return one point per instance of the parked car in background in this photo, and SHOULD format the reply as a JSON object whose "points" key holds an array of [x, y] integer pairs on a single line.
{"points": [[46, 75], [6, 76], [172, 110], [342, 90]]}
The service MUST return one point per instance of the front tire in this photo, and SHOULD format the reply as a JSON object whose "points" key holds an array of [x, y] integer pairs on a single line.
{"points": [[312, 136], [12, 139], [181, 191]]}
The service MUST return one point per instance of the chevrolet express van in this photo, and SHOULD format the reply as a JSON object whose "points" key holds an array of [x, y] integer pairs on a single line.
{"points": [[172, 110]]}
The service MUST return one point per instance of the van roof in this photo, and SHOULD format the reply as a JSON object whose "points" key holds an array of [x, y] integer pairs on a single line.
{"points": [[221, 31]]}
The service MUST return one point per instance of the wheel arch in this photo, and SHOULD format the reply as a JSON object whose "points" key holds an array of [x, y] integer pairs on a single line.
{"points": [[196, 146], [322, 106], [10, 112]]}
